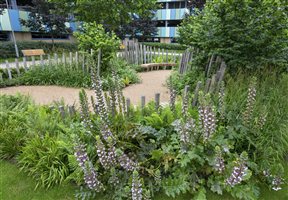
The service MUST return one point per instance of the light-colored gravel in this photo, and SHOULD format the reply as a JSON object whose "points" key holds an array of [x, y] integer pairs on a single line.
{"points": [[152, 82]]}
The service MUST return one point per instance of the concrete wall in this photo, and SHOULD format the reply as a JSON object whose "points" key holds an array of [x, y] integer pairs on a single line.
{"points": [[165, 40]]}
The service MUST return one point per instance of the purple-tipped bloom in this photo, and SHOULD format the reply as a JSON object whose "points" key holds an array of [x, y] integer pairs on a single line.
{"points": [[208, 121], [90, 176], [219, 164], [250, 102], [136, 189], [126, 163], [184, 129], [276, 183], [239, 172], [172, 98]]}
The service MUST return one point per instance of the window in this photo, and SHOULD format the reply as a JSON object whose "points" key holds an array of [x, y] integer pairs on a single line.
{"points": [[174, 23], [160, 24], [176, 5], [4, 36], [43, 36]]}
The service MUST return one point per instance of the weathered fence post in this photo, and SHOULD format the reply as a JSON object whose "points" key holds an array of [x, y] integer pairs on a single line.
{"points": [[76, 57], [49, 60], [157, 101], [142, 102], [33, 61], [62, 111], [17, 66], [42, 61], [25, 64], [195, 98], [212, 83], [70, 58], [55, 59], [8, 70], [207, 85], [128, 103], [71, 110]]}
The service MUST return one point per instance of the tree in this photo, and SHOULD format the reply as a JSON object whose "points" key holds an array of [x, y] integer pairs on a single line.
{"points": [[111, 13], [251, 33], [93, 36], [140, 27], [47, 17]]}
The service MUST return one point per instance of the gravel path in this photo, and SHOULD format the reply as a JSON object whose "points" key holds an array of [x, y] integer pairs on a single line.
{"points": [[152, 82]]}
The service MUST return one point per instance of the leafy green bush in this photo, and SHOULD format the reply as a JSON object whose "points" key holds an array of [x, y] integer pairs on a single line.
{"points": [[7, 49], [250, 34], [94, 37], [169, 46]]}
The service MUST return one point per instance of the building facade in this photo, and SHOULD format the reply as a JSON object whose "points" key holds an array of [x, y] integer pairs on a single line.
{"points": [[168, 18], [10, 20]]}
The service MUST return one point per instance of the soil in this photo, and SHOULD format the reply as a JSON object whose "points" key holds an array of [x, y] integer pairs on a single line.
{"points": [[152, 82]]}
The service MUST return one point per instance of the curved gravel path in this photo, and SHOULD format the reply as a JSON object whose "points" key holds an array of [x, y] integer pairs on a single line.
{"points": [[152, 82]]}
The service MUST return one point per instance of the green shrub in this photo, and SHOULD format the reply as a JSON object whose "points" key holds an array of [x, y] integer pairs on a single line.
{"points": [[247, 34], [45, 158], [169, 46], [7, 49], [94, 37]]}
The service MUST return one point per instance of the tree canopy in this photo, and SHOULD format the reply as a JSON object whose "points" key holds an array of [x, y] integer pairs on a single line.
{"points": [[110, 13], [249, 33]]}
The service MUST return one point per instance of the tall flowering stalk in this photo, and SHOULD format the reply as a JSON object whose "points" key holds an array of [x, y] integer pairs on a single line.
{"points": [[119, 93], [184, 129], [172, 99], [94, 105], [276, 183], [85, 116], [90, 175], [247, 115], [100, 100], [107, 157], [207, 116], [185, 102], [125, 162], [240, 170], [136, 188], [113, 98], [219, 165]]}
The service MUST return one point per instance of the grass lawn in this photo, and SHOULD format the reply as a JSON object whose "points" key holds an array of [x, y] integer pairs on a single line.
{"points": [[15, 185]]}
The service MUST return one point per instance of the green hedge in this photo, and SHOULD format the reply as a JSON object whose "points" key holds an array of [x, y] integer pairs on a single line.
{"points": [[7, 48], [169, 46]]}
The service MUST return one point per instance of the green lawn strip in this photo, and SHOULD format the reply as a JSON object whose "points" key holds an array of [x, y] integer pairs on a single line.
{"points": [[16, 185]]}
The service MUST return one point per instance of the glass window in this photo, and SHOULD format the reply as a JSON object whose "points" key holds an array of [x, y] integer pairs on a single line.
{"points": [[4, 36], [174, 23], [43, 36], [160, 24]]}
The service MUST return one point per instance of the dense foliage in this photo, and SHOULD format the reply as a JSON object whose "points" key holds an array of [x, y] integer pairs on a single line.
{"points": [[94, 37], [7, 49], [224, 144], [69, 75], [45, 16], [245, 33], [110, 13]]}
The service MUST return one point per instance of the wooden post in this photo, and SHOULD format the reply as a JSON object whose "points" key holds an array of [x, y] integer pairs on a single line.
{"points": [[8, 69], [76, 57], [1, 77], [157, 101], [207, 85], [17, 66], [25, 64], [162, 55], [142, 102], [212, 83], [83, 63], [144, 54], [167, 55], [64, 58], [195, 98], [55, 59], [71, 110], [62, 111], [70, 58], [42, 61], [49, 60], [209, 66], [128, 103], [33, 61]]}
